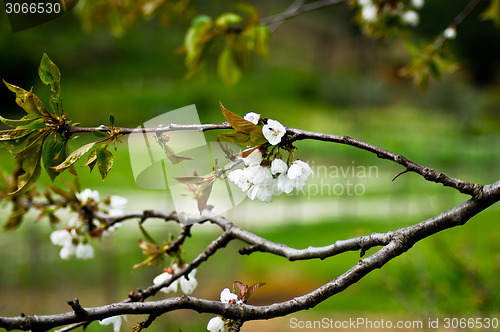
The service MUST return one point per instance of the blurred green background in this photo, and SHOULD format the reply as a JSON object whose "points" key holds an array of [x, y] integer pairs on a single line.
{"points": [[324, 76]]}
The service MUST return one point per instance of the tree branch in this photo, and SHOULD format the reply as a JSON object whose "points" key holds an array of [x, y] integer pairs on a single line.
{"points": [[295, 9], [401, 240], [428, 173], [297, 134]]}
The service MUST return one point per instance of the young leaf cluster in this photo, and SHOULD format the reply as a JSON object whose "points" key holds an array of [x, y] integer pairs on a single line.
{"points": [[426, 61], [117, 16], [229, 41], [40, 137]]}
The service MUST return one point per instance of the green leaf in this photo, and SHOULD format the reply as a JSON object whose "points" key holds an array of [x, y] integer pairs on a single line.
{"points": [[91, 161], [228, 19], [23, 143], [257, 139], [492, 12], [15, 123], [250, 11], [238, 138], [104, 161], [240, 124], [147, 235], [13, 134], [50, 75], [35, 124], [30, 168], [111, 119], [20, 92], [73, 157], [227, 68], [262, 36], [53, 153], [196, 38], [15, 217], [29, 105]]}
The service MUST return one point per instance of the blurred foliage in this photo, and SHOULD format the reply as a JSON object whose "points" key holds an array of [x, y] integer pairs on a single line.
{"points": [[118, 16]]}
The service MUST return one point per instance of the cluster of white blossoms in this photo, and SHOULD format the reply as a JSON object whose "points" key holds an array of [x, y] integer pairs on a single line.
{"points": [[217, 324], [371, 12], [262, 182], [73, 240], [187, 285]]}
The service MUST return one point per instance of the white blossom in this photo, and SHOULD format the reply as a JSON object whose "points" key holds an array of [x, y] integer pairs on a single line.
{"points": [[299, 169], [188, 286], [369, 13], [278, 166], [284, 184], [75, 221], [227, 297], [117, 205], [263, 192], [115, 320], [252, 117], [450, 33], [259, 175], [87, 195], [418, 4], [61, 237], [254, 158], [67, 251], [410, 17], [238, 176], [363, 3], [84, 251], [273, 131], [160, 279], [216, 324]]}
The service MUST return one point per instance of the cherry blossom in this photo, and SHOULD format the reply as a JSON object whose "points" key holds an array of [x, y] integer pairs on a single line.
{"points": [[216, 324], [87, 195], [160, 279], [418, 4], [227, 297], [369, 13], [238, 176], [284, 184], [84, 251], [410, 17], [298, 172], [252, 117], [259, 175], [263, 192], [61, 238], [117, 205], [254, 158], [273, 131], [450, 33], [278, 166], [115, 320], [187, 285]]}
